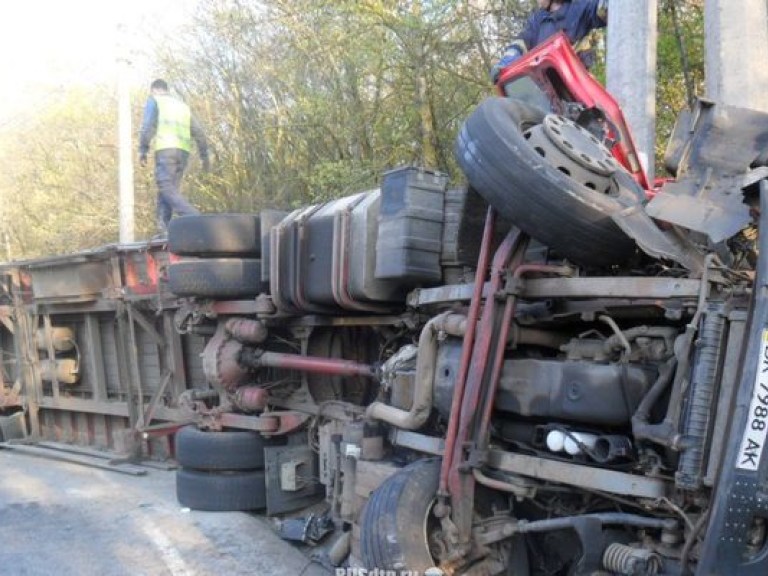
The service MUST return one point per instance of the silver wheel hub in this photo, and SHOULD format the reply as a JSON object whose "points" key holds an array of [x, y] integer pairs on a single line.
{"points": [[574, 151]]}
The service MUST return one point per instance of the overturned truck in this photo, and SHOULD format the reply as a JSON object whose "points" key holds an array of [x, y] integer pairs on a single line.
{"points": [[556, 369]]}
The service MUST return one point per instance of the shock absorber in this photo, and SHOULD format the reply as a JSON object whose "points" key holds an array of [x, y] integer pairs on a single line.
{"points": [[699, 412]]}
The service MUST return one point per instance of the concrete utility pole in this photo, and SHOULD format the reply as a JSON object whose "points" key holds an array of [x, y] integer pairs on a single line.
{"points": [[631, 70], [125, 142], [736, 52]]}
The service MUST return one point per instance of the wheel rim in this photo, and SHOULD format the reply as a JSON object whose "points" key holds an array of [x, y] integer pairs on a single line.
{"points": [[573, 151], [431, 531]]}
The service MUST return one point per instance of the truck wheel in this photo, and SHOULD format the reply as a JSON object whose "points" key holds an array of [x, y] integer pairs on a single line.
{"points": [[221, 491], [215, 235], [227, 450], [215, 278], [397, 522], [559, 198]]}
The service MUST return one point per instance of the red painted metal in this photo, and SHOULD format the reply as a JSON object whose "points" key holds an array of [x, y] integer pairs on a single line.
{"points": [[461, 485], [271, 424], [331, 366], [466, 350], [246, 330], [553, 66], [506, 323], [266, 423], [288, 422], [141, 272], [221, 362], [251, 398], [341, 274]]}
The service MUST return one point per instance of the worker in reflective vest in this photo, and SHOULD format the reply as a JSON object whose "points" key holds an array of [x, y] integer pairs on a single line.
{"points": [[170, 122]]}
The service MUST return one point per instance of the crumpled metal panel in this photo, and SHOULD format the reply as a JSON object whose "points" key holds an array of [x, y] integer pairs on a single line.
{"points": [[638, 225], [714, 150]]}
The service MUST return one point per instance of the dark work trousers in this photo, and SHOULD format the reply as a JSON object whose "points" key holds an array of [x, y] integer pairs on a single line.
{"points": [[169, 169]]}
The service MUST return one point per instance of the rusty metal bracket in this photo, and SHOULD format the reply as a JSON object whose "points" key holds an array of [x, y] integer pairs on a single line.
{"points": [[149, 414], [164, 429], [276, 423], [145, 324], [265, 423], [288, 422], [475, 457]]}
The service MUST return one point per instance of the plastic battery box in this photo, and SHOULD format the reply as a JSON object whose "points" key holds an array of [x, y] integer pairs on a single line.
{"points": [[410, 234]]}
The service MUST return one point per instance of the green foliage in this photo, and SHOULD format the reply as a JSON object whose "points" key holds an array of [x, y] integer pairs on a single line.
{"points": [[307, 100], [58, 188], [302, 100], [680, 54]]}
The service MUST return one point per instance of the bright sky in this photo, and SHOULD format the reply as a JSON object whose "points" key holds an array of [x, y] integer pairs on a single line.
{"points": [[46, 45]]}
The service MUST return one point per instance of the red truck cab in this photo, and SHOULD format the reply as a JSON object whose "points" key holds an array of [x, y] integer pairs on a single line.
{"points": [[553, 78]]}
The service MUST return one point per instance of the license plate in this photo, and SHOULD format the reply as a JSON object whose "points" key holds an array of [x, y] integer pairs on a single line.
{"points": [[756, 430]]}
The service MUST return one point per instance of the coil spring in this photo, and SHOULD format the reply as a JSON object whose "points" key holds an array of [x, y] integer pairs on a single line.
{"points": [[622, 559]]}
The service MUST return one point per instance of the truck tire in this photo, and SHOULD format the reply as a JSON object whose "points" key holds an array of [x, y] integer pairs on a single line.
{"points": [[221, 491], [215, 278], [226, 450], [396, 519], [543, 201], [215, 235]]}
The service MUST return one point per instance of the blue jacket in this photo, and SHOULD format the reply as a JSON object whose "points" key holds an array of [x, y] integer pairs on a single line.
{"points": [[577, 19]]}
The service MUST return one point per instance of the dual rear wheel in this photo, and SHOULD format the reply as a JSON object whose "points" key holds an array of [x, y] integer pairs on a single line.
{"points": [[222, 256], [220, 471]]}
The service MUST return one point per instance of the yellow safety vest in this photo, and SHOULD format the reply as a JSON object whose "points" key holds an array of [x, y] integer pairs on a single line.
{"points": [[173, 124]]}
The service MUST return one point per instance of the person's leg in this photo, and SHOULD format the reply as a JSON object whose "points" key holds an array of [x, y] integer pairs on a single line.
{"points": [[164, 177], [175, 200], [163, 215]]}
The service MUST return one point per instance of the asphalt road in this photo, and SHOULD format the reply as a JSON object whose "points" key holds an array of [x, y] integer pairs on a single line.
{"points": [[63, 519]]}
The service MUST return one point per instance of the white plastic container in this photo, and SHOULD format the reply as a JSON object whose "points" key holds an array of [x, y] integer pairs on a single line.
{"points": [[559, 441], [573, 448]]}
